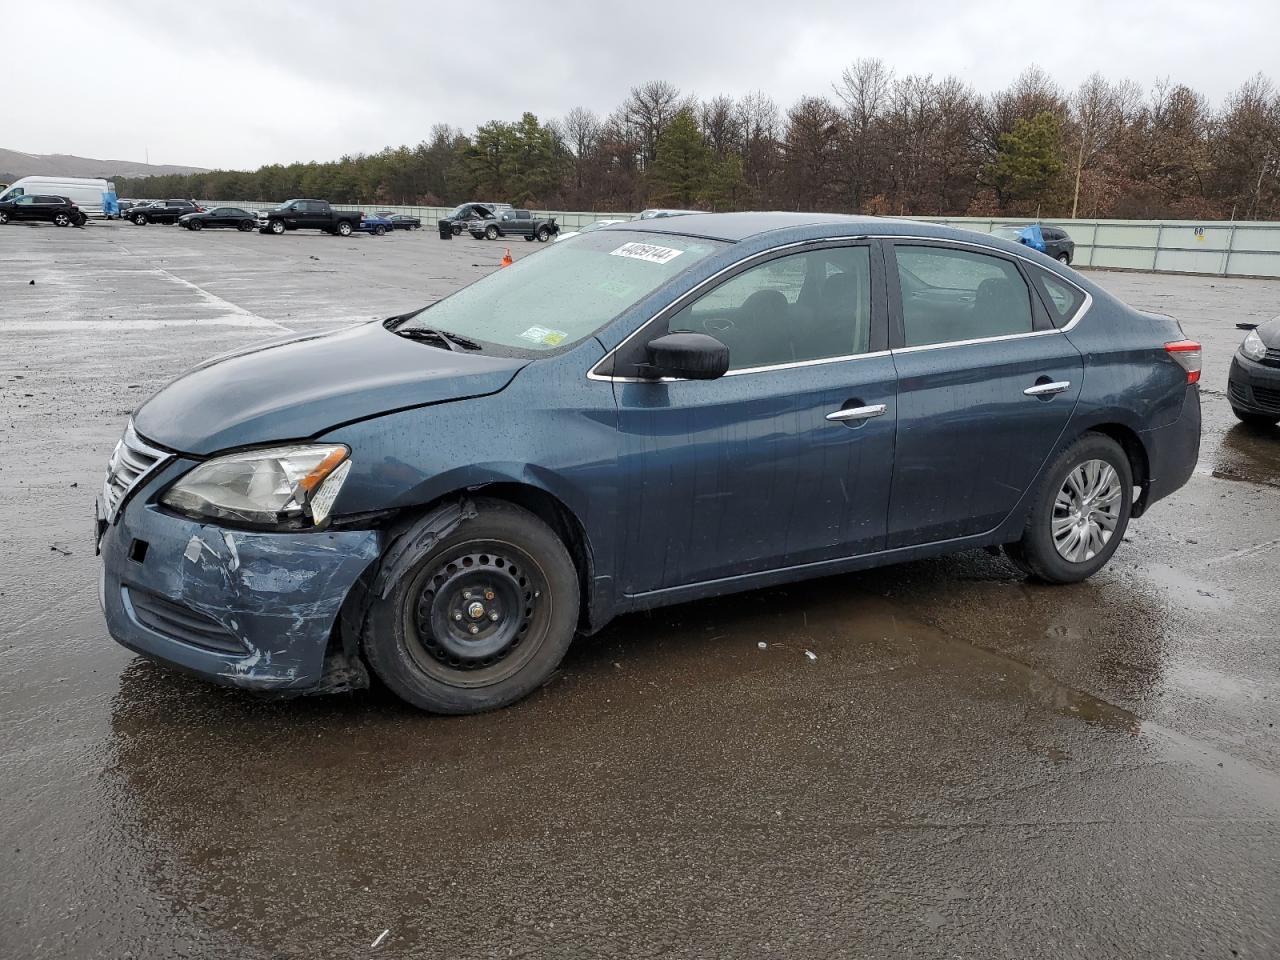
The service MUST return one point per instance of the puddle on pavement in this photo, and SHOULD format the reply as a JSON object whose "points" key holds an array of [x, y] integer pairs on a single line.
{"points": [[1251, 454]]}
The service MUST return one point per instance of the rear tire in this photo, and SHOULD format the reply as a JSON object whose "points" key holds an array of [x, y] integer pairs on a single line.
{"points": [[529, 238], [1255, 419], [61, 220], [379, 231], [1079, 513], [4, 217], [481, 618], [1064, 258], [244, 226]]}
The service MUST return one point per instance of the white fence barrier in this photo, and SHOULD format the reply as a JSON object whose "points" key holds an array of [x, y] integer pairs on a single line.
{"points": [[1238, 249]]}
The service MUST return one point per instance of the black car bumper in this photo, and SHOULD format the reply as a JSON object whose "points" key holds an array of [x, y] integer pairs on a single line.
{"points": [[1254, 387], [1172, 451]]}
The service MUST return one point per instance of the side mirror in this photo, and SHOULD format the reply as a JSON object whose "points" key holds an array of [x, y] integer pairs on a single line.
{"points": [[690, 356]]}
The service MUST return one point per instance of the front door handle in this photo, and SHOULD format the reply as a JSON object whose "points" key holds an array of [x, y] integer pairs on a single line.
{"points": [[858, 413], [1047, 389]]}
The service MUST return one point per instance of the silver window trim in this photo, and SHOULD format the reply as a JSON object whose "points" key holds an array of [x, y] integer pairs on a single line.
{"points": [[892, 238]]}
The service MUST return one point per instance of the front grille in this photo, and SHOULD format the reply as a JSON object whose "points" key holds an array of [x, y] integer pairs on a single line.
{"points": [[131, 461], [1266, 398], [179, 622], [1272, 357]]}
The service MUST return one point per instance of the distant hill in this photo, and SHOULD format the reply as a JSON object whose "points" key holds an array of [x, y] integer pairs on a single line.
{"points": [[15, 164]]}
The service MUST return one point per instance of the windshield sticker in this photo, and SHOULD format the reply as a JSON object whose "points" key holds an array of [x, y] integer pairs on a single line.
{"points": [[542, 335], [646, 251]]}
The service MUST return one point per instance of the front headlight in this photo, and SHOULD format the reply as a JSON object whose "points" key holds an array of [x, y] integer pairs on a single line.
{"points": [[281, 488], [1253, 347]]}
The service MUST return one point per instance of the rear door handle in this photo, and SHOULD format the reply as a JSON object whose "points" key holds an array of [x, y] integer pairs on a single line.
{"points": [[1047, 389], [858, 413]]}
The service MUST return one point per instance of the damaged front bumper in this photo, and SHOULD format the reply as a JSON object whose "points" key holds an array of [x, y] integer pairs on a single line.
{"points": [[245, 609]]}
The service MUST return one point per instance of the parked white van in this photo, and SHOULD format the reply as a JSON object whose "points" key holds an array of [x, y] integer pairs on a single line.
{"points": [[95, 197]]}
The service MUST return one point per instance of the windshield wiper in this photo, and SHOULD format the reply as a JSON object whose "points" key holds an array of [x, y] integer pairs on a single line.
{"points": [[451, 341]]}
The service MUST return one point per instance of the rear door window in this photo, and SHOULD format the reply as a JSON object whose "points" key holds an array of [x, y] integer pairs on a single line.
{"points": [[951, 295]]}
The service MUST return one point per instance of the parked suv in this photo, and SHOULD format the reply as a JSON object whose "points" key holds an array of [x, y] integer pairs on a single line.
{"points": [[309, 215], [1051, 241], [651, 413], [56, 210], [460, 216], [163, 211]]}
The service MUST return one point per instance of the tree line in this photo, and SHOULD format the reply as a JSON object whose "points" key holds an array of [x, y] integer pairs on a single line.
{"points": [[878, 143]]}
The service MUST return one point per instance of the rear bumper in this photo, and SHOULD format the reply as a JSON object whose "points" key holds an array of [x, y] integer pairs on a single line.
{"points": [[242, 609], [1172, 450], [1254, 387]]}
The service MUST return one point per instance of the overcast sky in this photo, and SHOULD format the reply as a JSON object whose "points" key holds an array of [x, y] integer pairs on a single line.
{"points": [[235, 84]]}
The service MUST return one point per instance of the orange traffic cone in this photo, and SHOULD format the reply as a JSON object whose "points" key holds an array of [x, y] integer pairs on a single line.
{"points": [[506, 258]]}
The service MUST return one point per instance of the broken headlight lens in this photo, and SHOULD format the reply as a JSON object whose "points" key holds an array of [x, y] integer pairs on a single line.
{"points": [[286, 488]]}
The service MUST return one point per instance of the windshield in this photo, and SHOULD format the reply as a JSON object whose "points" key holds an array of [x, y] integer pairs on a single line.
{"points": [[565, 293]]}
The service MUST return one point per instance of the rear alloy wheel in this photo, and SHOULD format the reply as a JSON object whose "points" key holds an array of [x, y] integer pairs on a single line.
{"points": [[61, 220], [1064, 258], [1080, 512], [491, 233], [379, 231], [344, 229], [140, 220], [481, 619], [244, 226]]}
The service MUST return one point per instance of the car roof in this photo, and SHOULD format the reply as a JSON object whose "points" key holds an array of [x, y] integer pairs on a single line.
{"points": [[735, 227]]}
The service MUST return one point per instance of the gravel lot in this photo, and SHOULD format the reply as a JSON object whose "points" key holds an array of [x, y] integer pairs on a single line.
{"points": [[973, 766]]}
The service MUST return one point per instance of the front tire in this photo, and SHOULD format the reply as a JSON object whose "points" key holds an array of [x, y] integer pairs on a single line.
{"points": [[1255, 419], [276, 227], [543, 235], [194, 225], [457, 229], [1079, 514], [140, 220], [491, 233], [4, 217], [481, 618], [344, 229]]}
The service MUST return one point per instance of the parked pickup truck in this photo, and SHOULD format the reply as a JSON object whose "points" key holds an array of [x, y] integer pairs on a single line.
{"points": [[514, 223], [309, 215]]}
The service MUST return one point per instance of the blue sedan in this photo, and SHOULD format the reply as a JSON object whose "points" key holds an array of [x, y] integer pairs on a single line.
{"points": [[377, 224], [646, 414]]}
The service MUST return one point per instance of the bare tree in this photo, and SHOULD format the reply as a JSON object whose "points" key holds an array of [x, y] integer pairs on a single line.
{"points": [[1099, 111], [649, 108], [865, 87]]}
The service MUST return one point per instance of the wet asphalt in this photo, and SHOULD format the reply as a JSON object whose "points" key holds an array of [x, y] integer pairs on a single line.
{"points": [[969, 765]]}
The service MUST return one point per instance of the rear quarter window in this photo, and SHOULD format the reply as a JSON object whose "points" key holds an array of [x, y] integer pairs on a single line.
{"points": [[1061, 298]]}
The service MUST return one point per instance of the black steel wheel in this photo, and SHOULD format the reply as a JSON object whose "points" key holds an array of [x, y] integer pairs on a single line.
{"points": [[479, 620]]}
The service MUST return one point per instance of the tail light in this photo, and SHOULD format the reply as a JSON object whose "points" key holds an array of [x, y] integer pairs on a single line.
{"points": [[1187, 354]]}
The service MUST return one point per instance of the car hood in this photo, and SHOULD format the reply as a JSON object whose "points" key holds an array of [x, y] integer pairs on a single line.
{"points": [[1270, 333], [301, 386]]}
